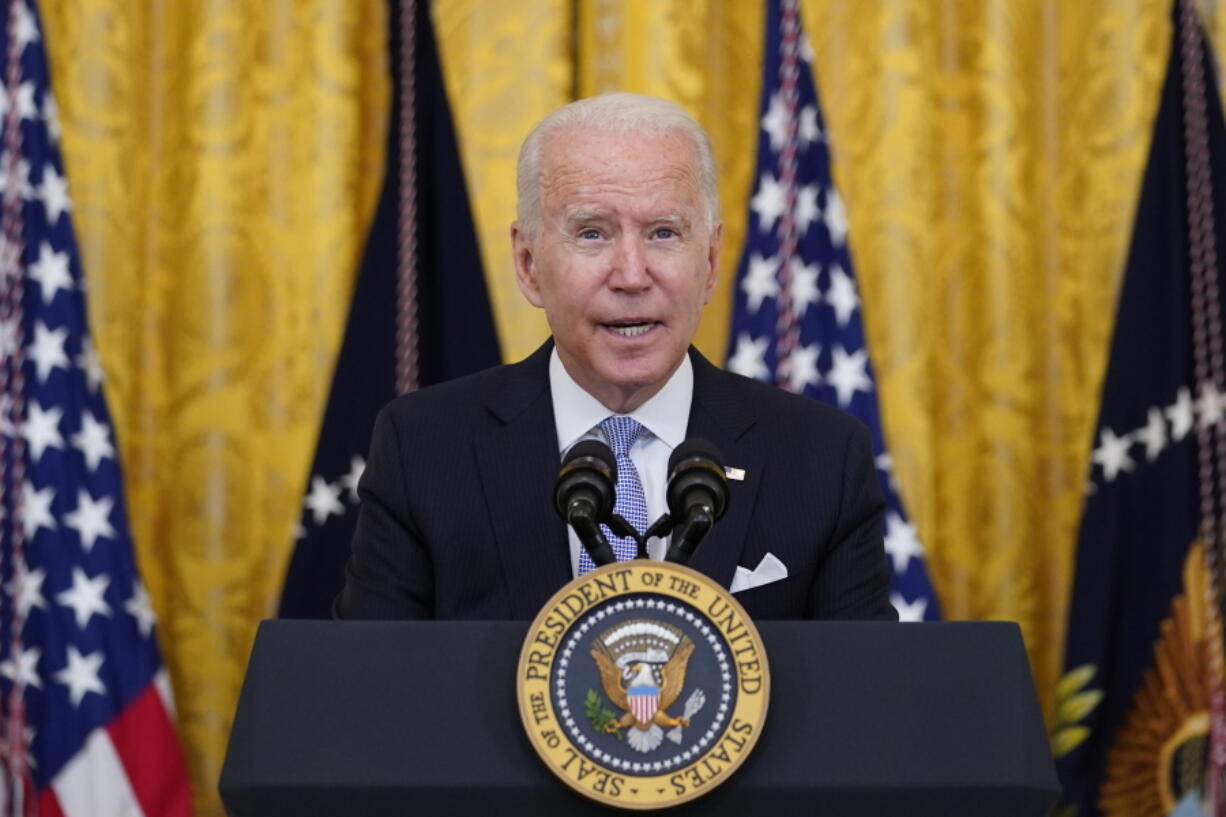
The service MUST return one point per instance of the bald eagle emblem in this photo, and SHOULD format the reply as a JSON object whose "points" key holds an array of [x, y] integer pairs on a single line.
{"points": [[642, 666]]}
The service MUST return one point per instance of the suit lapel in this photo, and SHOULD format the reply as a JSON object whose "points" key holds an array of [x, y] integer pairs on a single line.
{"points": [[721, 414], [518, 462]]}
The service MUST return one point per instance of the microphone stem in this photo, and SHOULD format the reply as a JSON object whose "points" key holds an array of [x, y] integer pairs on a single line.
{"points": [[593, 539], [696, 525]]}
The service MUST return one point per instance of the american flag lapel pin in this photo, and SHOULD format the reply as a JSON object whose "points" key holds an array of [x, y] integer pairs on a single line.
{"points": [[734, 473]]}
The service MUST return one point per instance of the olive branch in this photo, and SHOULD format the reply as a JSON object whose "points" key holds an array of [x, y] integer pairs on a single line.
{"points": [[599, 716]]}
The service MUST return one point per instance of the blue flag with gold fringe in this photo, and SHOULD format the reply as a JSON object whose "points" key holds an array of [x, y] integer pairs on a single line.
{"points": [[1134, 708]]}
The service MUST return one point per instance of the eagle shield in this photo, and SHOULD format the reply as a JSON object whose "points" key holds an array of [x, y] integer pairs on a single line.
{"points": [[642, 666], [644, 699]]}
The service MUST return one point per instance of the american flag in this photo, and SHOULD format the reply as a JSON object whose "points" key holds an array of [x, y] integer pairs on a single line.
{"points": [[85, 708], [796, 319], [643, 702]]}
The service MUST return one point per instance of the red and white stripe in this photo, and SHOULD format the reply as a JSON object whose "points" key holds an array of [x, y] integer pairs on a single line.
{"points": [[132, 767], [643, 707]]}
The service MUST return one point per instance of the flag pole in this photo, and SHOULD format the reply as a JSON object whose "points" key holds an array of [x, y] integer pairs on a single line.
{"points": [[12, 466], [1207, 350], [407, 364]]}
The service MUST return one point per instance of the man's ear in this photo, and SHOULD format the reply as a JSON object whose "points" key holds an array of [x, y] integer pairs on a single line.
{"points": [[525, 264], [717, 235]]}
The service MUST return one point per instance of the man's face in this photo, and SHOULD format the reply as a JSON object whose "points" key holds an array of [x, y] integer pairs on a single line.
{"points": [[623, 261]]}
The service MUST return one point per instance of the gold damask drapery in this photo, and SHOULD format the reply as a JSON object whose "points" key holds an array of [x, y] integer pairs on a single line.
{"points": [[223, 158]]}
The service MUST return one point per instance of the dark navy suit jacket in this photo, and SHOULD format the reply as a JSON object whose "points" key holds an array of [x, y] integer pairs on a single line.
{"points": [[457, 517]]}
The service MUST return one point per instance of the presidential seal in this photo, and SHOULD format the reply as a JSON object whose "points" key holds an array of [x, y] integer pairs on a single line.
{"points": [[643, 684]]}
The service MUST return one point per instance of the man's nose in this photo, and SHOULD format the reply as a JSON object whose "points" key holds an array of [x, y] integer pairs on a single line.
{"points": [[630, 265]]}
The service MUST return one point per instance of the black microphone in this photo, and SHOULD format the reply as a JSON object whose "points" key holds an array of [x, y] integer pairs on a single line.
{"points": [[697, 496], [584, 495]]}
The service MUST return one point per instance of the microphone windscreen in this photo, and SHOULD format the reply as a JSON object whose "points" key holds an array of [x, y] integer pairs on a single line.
{"points": [[695, 472], [695, 448], [593, 449], [588, 470]]}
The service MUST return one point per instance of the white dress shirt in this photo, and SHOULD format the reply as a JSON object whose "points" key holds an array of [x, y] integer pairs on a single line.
{"points": [[577, 416]]}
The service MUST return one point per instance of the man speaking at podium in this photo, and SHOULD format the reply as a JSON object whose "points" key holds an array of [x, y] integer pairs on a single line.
{"points": [[617, 239]]}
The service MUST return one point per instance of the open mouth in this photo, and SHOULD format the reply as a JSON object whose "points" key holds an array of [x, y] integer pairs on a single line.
{"points": [[631, 329]]}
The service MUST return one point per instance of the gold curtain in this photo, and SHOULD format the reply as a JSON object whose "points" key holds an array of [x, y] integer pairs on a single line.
{"points": [[223, 157], [990, 155], [506, 65]]}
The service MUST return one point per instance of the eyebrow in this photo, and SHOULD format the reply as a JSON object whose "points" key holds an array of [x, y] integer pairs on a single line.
{"points": [[677, 217], [579, 216]]}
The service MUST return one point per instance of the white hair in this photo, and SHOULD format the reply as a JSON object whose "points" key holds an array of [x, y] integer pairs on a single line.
{"points": [[620, 113]]}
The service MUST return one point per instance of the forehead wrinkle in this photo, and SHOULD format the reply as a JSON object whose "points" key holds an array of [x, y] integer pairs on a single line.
{"points": [[646, 200], [583, 182], [588, 172]]}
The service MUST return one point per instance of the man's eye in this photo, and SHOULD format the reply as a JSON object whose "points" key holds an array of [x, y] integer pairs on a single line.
{"points": [[664, 232], [589, 234]]}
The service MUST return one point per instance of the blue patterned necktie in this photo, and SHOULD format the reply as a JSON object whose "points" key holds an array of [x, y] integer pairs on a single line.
{"points": [[622, 432]]}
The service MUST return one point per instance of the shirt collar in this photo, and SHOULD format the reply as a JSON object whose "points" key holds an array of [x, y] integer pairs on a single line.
{"points": [[576, 413]]}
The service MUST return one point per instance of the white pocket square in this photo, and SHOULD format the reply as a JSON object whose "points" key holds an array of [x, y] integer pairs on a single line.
{"points": [[770, 569]]}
